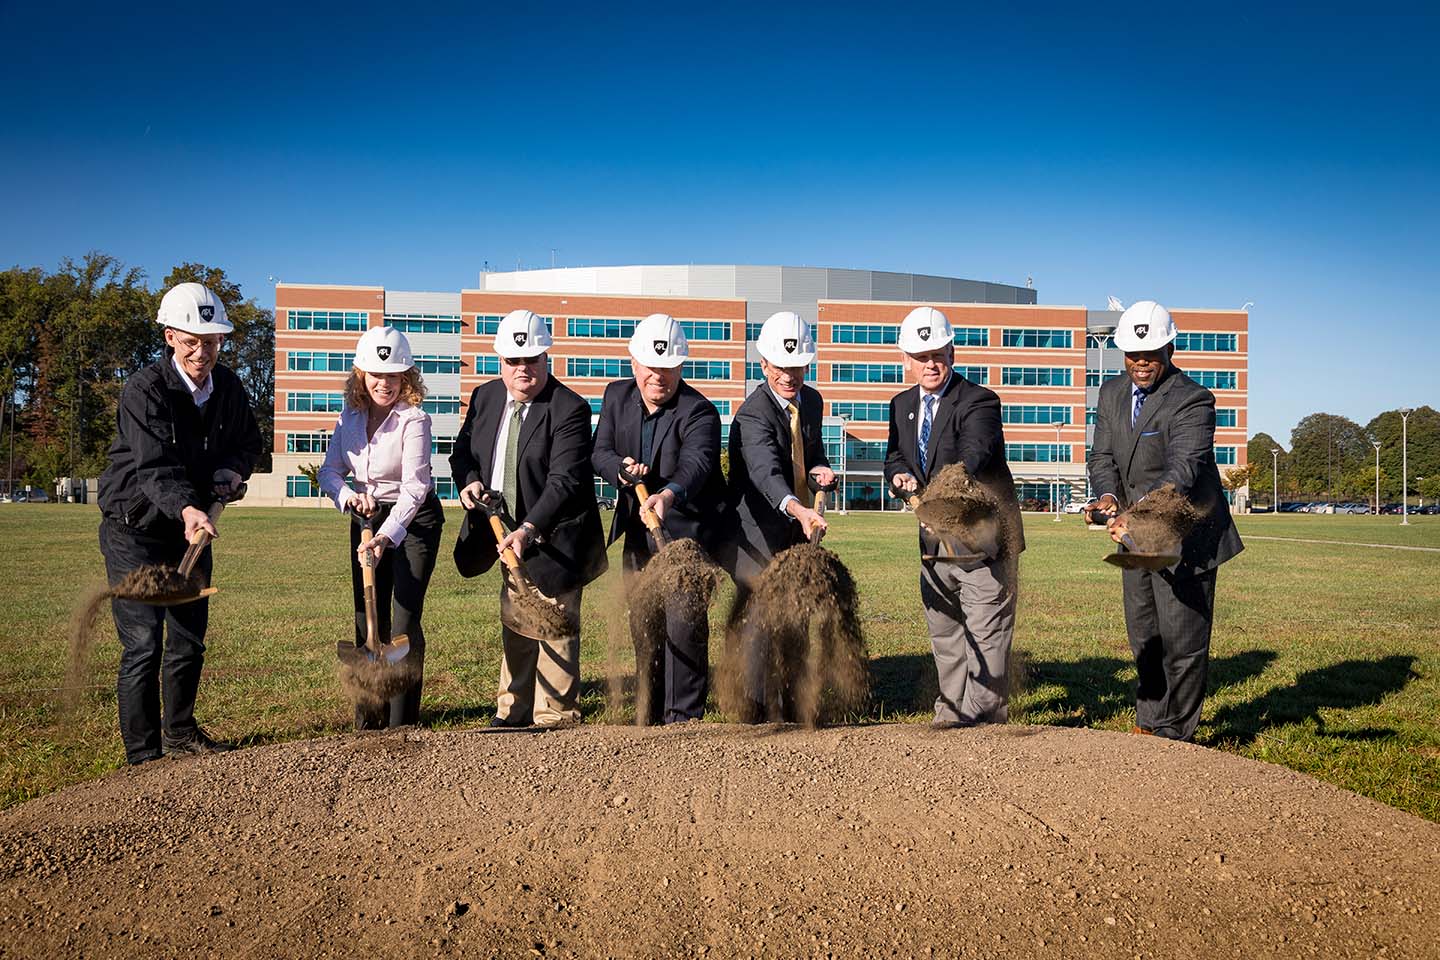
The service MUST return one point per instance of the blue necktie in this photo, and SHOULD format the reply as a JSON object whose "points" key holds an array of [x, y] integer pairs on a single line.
{"points": [[1139, 402], [925, 421]]}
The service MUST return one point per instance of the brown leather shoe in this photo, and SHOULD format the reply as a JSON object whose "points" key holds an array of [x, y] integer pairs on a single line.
{"points": [[1142, 730]]}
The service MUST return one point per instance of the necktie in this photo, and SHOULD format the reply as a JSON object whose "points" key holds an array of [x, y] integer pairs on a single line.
{"points": [[1135, 413], [925, 422], [797, 458], [510, 476]]}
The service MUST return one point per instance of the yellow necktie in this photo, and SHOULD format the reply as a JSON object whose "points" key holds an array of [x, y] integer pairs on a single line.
{"points": [[797, 458]]}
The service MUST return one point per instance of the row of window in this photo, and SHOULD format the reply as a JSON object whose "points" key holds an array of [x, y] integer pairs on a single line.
{"points": [[1037, 452], [705, 370], [424, 322], [430, 364], [315, 361], [867, 373], [1208, 342], [1212, 379], [1035, 376], [615, 328], [342, 320], [1030, 413], [1026, 337]]}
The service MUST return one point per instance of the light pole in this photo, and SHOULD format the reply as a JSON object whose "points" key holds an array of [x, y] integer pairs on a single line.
{"points": [[1376, 443], [1404, 465], [1058, 425], [1275, 480], [1419, 480]]}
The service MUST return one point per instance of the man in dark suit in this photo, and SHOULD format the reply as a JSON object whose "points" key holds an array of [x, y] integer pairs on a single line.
{"points": [[775, 448], [657, 429], [969, 599], [527, 437], [1156, 426]]}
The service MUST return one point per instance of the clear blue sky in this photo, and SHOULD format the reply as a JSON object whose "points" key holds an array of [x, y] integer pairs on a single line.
{"points": [[1289, 158]]}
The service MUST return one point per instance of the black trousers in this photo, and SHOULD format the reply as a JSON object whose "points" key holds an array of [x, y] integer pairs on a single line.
{"points": [[1169, 619], [162, 649], [401, 578], [673, 676]]}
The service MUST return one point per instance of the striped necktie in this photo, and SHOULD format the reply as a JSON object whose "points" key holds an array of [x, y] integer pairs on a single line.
{"points": [[1135, 413], [797, 457], [925, 422]]}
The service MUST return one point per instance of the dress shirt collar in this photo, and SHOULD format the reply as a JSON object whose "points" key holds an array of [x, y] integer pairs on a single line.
{"points": [[199, 394]]}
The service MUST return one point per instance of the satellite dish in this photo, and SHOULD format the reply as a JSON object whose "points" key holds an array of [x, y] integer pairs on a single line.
{"points": [[1116, 305]]}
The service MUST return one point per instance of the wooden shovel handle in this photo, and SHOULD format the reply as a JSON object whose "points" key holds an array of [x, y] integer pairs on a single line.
{"points": [[647, 516], [200, 539], [367, 577], [820, 509], [496, 527]]}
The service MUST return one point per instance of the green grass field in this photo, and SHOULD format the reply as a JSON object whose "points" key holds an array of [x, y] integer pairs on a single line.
{"points": [[1325, 657]]}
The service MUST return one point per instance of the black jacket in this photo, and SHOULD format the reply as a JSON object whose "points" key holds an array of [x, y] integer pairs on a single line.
{"points": [[166, 449], [557, 492], [685, 452], [966, 429], [761, 475], [1172, 442]]}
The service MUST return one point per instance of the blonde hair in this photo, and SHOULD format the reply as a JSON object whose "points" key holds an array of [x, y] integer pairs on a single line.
{"points": [[412, 389]]}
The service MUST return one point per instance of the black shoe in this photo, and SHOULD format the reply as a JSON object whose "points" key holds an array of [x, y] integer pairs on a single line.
{"points": [[507, 724], [195, 745]]}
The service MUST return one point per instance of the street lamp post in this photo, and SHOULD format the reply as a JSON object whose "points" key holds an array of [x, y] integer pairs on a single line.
{"points": [[1057, 471], [1275, 480], [1404, 465], [1376, 443]]}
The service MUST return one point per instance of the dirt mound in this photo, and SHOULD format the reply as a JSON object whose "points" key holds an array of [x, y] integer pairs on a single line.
{"points": [[805, 610], [680, 578], [717, 841], [1161, 520]]}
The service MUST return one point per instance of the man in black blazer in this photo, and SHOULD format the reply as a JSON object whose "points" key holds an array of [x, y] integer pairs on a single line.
{"points": [[527, 436], [1156, 426], [659, 430], [771, 506], [969, 602]]}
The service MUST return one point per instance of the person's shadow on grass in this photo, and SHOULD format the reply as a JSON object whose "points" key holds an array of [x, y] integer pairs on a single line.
{"points": [[1340, 686]]}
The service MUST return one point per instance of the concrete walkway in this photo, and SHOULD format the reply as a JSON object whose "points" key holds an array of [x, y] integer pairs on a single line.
{"points": [[1342, 543]]}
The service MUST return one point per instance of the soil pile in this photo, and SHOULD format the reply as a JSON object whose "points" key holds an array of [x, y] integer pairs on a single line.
{"points": [[535, 615], [804, 615], [716, 841], [1160, 521], [370, 683]]}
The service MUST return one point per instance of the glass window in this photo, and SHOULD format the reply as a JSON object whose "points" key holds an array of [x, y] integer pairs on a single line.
{"points": [[431, 364], [1215, 379], [1037, 452], [870, 412], [1093, 378], [487, 365], [864, 449], [299, 486], [1226, 416], [595, 403], [1035, 376], [306, 442], [1025, 337], [1043, 492], [445, 488], [1207, 342], [441, 445], [752, 331], [867, 373], [972, 337], [705, 329], [305, 401], [865, 333], [1029, 413], [309, 361], [974, 374], [423, 322], [610, 368], [705, 370], [1225, 456], [610, 328], [1099, 341], [722, 407], [487, 323], [439, 404], [352, 320]]}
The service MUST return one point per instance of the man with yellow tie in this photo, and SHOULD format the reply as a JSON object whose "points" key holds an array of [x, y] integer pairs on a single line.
{"points": [[775, 448]]}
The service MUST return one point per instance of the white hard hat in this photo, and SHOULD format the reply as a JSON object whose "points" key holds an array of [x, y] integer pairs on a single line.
{"points": [[522, 334], [785, 340], [193, 308], [383, 350], [925, 329], [658, 341], [1145, 325]]}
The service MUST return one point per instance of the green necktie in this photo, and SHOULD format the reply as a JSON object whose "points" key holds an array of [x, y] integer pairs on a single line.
{"points": [[510, 477]]}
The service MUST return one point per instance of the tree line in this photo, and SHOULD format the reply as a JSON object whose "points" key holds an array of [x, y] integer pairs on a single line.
{"points": [[1333, 458], [69, 339]]}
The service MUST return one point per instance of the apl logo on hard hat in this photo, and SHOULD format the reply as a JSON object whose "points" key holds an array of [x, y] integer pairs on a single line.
{"points": [[383, 353], [207, 313], [659, 345], [791, 344], [923, 333], [1142, 330], [520, 338]]}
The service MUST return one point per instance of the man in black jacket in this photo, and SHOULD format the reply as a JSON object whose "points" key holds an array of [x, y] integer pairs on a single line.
{"points": [[1156, 426], [775, 449], [526, 436], [657, 429], [969, 599], [185, 438]]}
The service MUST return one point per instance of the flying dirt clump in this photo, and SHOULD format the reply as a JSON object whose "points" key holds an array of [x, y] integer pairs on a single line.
{"points": [[680, 579], [959, 508], [534, 615], [370, 683], [805, 610], [1161, 520]]}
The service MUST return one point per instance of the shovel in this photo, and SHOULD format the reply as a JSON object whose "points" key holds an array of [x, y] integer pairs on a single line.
{"points": [[913, 501], [820, 491], [199, 540], [1132, 558], [376, 649], [651, 521], [514, 565]]}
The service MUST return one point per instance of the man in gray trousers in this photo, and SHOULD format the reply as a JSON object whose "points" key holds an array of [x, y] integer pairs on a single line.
{"points": [[969, 601], [1156, 426]]}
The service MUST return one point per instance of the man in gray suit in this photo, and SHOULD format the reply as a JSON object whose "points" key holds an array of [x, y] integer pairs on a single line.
{"points": [[1156, 426], [969, 600]]}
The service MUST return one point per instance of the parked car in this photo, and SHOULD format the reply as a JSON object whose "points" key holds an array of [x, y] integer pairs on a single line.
{"points": [[605, 503], [1390, 508], [1352, 508], [1292, 507], [1430, 509], [1076, 506], [39, 496]]}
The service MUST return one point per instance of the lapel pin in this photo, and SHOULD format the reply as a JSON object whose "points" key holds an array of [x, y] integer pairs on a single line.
{"points": [[912, 416]]}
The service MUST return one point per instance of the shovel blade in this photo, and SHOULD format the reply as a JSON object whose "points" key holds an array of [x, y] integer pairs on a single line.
{"points": [[390, 653], [178, 601], [1142, 561]]}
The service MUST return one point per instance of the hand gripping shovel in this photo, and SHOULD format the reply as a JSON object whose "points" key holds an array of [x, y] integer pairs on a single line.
{"points": [[648, 517], [943, 537], [538, 613], [376, 648], [187, 592], [820, 491], [1132, 558]]}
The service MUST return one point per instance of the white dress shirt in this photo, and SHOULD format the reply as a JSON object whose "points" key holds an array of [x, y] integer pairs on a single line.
{"points": [[393, 466], [497, 466], [785, 409], [920, 403], [199, 394]]}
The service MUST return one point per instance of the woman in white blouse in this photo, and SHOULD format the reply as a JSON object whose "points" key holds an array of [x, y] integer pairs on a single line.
{"points": [[382, 439]]}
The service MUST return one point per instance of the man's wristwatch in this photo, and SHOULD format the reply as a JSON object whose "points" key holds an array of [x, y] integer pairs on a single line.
{"points": [[530, 531]]}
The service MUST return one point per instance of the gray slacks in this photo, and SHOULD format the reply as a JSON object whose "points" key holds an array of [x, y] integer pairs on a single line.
{"points": [[971, 616], [1169, 617]]}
